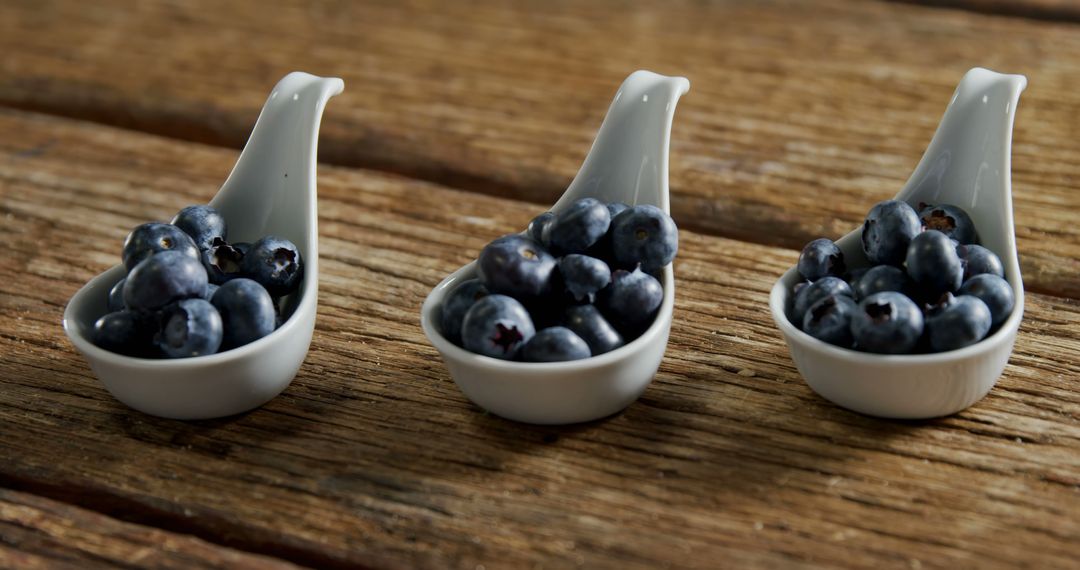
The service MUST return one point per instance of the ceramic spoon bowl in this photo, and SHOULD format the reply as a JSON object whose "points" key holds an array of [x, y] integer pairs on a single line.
{"points": [[628, 163], [966, 164], [271, 190]]}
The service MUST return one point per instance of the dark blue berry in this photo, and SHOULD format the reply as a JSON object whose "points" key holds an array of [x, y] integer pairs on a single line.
{"points": [[203, 223], [162, 279], [496, 326], [933, 265], [956, 322], [222, 262], [189, 328], [821, 258], [554, 344], [888, 323], [949, 220], [616, 208], [829, 320], [456, 304], [516, 265], [995, 292], [147, 239], [816, 291], [881, 278], [211, 288], [630, 301], [123, 332], [247, 312], [587, 322], [978, 260], [275, 263], [644, 234], [537, 225], [888, 229], [578, 227], [116, 297], [583, 276]]}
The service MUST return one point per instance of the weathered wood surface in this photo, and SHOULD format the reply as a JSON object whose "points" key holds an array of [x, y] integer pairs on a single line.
{"points": [[373, 457], [41, 533], [801, 114]]}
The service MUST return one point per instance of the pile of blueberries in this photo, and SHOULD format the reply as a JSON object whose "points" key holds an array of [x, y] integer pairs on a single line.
{"points": [[931, 288], [189, 292], [576, 284]]}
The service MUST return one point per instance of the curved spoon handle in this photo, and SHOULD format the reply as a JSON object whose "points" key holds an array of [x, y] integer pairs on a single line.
{"points": [[628, 161], [276, 169], [968, 162]]}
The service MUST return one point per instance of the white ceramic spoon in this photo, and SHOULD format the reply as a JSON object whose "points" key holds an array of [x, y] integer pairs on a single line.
{"points": [[966, 164], [628, 163], [271, 190]]}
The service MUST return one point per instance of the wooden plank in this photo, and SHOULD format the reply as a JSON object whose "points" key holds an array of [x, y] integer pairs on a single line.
{"points": [[797, 122], [1054, 10], [40, 533], [373, 457]]}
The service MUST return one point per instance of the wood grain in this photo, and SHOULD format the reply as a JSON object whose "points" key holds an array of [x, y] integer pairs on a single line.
{"points": [[373, 457], [40, 533], [799, 118]]}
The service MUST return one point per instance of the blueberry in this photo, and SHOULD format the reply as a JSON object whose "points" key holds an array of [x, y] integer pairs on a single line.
{"points": [[578, 227], [978, 260], [191, 327], [881, 278], [888, 229], [123, 332], [116, 297], [630, 301], [829, 320], [222, 262], [587, 322], [496, 326], [995, 292], [853, 275], [583, 276], [164, 278], [456, 304], [816, 291], [956, 322], [554, 344], [821, 258], [644, 234], [616, 208], [203, 223], [537, 225], [949, 220], [275, 263], [547, 311], [211, 288], [147, 239], [887, 322], [247, 312], [933, 265], [516, 265]]}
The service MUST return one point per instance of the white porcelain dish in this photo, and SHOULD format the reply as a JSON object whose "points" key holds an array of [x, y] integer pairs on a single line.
{"points": [[966, 164], [628, 163], [271, 190]]}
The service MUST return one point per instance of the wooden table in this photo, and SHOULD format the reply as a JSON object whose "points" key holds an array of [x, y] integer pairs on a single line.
{"points": [[460, 121]]}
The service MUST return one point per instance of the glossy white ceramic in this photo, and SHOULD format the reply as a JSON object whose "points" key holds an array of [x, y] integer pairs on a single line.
{"points": [[628, 163], [966, 164], [271, 190]]}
